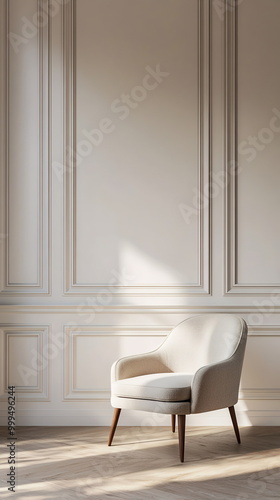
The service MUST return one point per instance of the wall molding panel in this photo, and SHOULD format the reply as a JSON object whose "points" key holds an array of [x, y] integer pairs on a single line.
{"points": [[264, 393], [12, 283], [260, 394], [231, 282], [25, 361], [72, 286], [73, 334]]}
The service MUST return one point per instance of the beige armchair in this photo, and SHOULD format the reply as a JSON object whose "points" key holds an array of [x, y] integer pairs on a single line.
{"points": [[196, 369]]}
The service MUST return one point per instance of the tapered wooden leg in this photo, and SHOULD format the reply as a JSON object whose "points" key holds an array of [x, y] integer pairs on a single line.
{"points": [[114, 425], [181, 433], [173, 422], [234, 422]]}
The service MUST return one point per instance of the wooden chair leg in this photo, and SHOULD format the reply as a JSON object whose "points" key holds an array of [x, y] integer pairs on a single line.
{"points": [[114, 425], [173, 422], [181, 433], [234, 422]]}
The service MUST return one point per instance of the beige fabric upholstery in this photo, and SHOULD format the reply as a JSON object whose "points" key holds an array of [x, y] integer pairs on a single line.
{"points": [[206, 349], [168, 408], [158, 387]]}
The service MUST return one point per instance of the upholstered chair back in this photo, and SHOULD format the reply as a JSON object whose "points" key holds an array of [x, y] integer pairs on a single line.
{"points": [[202, 340]]}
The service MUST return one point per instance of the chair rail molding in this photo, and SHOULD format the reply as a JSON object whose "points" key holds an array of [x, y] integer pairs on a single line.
{"points": [[258, 312]]}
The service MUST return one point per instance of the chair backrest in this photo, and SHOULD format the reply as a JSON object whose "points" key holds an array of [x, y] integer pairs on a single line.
{"points": [[201, 340]]}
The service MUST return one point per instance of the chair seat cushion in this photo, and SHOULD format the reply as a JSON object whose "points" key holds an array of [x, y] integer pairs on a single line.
{"points": [[157, 387]]}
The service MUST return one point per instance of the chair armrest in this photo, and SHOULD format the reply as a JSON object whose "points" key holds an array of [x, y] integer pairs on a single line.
{"points": [[140, 364], [216, 386]]}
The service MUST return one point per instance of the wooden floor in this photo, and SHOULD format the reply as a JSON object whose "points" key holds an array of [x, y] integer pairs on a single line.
{"points": [[75, 462]]}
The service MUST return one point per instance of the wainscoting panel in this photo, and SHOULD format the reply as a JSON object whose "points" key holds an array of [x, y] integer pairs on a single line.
{"points": [[25, 361], [85, 377], [261, 374]]}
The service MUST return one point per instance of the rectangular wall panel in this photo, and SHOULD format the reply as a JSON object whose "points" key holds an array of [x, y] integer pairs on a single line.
{"points": [[253, 147], [25, 146], [137, 146], [91, 351], [25, 361], [21, 370], [261, 373]]}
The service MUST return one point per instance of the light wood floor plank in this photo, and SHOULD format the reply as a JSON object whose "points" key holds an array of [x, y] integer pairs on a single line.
{"points": [[143, 463]]}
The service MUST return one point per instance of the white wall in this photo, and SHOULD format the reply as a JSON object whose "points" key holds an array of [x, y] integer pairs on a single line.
{"points": [[110, 233]]}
